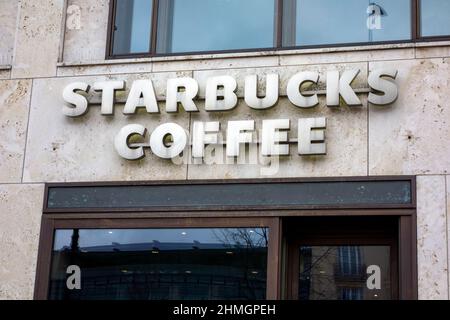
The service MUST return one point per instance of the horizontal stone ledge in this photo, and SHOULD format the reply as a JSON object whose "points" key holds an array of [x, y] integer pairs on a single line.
{"points": [[251, 54]]}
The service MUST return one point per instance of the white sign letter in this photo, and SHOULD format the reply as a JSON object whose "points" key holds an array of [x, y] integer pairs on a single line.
{"points": [[271, 136], [107, 88], [78, 103], [294, 89], [161, 148], [337, 87], [388, 88], [203, 133], [238, 132], [251, 92], [311, 136], [185, 98], [121, 142], [225, 86], [142, 94]]}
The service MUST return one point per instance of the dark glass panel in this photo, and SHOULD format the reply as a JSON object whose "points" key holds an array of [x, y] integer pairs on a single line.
{"points": [[344, 273], [143, 264]]}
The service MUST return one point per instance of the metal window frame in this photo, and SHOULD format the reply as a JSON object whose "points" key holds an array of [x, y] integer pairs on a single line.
{"points": [[278, 35], [250, 216]]}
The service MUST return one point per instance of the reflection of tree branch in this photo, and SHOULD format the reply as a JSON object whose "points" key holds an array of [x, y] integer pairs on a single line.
{"points": [[313, 264]]}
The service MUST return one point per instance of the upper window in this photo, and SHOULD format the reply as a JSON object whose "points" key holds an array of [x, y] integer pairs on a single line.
{"points": [[212, 25], [160, 27], [435, 18], [323, 22]]}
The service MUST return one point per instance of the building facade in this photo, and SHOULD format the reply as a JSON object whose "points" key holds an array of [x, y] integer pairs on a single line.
{"points": [[224, 149]]}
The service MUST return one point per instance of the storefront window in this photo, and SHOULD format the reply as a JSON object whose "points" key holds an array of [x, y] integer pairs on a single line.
{"points": [[434, 20], [144, 264], [132, 26], [209, 25], [322, 22], [345, 273]]}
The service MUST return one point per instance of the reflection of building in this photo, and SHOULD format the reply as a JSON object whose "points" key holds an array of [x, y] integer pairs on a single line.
{"points": [[340, 272], [163, 271]]}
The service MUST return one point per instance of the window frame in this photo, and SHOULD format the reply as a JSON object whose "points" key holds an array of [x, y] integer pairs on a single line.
{"points": [[49, 225], [278, 36], [350, 235], [251, 216]]}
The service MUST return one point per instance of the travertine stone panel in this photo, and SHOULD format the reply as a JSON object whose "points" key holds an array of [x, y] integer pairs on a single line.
{"points": [[20, 218], [411, 135], [82, 149], [347, 56], [37, 38], [433, 52], [86, 29], [346, 138], [14, 103], [8, 18], [432, 237], [104, 69], [214, 63], [447, 187]]}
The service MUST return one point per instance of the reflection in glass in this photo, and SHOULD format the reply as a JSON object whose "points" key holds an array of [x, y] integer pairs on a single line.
{"points": [[435, 17], [340, 272], [132, 26], [321, 22], [144, 264], [208, 25]]}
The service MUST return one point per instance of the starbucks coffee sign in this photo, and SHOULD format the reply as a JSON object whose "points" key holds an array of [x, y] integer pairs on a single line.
{"points": [[170, 139]]}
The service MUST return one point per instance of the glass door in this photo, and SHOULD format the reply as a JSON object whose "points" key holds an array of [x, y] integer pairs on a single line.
{"points": [[334, 260]]}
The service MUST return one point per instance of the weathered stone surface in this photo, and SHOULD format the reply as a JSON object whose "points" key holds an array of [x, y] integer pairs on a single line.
{"points": [[411, 135], [103, 69], [20, 218], [432, 237], [5, 74], [448, 225], [333, 55], [346, 138], [14, 103], [8, 18], [86, 30], [82, 149], [213, 62], [439, 50], [37, 38]]}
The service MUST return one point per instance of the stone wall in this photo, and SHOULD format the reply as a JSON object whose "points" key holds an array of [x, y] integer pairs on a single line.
{"points": [[39, 144]]}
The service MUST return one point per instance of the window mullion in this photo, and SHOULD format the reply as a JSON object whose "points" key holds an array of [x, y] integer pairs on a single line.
{"points": [[154, 30]]}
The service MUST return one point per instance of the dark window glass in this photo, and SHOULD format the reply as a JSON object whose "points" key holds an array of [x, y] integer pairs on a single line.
{"points": [[208, 25], [344, 273], [322, 22], [132, 26], [194, 263], [435, 17]]}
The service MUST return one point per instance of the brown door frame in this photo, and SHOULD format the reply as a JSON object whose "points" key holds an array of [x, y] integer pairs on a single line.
{"points": [[350, 235], [233, 217]]}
